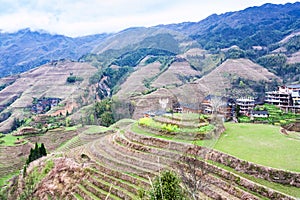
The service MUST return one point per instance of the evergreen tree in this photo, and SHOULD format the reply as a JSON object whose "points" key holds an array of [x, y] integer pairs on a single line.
{"points": [[167, 187], [42, 150], [36, 153]]}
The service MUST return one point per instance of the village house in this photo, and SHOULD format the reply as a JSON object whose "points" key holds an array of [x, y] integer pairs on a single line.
{"points": [[246, 105], [286, 97], [281, 97], [42, 105], [259, 114], [221, 105]]}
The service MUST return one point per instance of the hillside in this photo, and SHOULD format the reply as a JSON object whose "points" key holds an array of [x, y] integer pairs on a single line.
{"points": [[135, 63], [26, 49], [62, 89], [122, 163], [238, 78], [141, 37], [49, 80], [255, 26]]}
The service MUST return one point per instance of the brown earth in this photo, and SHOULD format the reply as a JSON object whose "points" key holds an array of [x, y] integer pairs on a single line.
{"points": [[177, 74], [219, 79], [46, 81], [134, 84]]}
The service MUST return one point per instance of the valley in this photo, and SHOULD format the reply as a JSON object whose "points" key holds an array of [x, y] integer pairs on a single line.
{"points": [[215, 102]]}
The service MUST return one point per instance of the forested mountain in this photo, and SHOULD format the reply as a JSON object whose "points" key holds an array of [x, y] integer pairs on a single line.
{"points": [[184, 61], [254, 26], [27, 49], [62, 91]]}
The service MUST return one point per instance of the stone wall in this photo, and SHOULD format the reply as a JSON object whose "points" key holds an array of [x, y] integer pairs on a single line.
{"points": [[256, 170]]}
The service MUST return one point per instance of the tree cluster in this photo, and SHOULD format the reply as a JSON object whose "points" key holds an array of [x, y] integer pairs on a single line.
{"points": [[36, 153], [103, 112], [73, 79]]}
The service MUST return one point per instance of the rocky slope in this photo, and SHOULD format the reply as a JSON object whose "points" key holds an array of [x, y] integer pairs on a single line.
{"points": [[49, 80]]}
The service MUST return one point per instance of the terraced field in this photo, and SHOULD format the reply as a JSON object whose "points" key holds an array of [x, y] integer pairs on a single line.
{"points": [[12, 158], [121, 165]]}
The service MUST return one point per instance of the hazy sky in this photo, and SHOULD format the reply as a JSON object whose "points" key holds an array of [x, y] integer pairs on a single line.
{"points": [[83, 17]]}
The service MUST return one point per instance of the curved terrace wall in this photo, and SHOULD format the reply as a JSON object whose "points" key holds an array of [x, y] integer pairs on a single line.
{"points": [[256, 170]]}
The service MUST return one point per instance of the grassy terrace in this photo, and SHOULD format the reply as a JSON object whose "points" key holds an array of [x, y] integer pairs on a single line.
{"points": [[95, 129], [9, 139], [4, 179], [135, 128], [269, 132], [261, 144], [286, 189], [258, 143]]}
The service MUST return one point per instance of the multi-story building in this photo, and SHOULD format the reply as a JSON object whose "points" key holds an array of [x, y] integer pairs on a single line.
{"points": [[286, 97], [246, 105], [220, 105], [295, 93], [281, 97]]}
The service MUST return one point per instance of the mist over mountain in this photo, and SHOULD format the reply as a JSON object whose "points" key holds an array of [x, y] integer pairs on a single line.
{"points": [[61, 91], [255, 26], [27, 49]]}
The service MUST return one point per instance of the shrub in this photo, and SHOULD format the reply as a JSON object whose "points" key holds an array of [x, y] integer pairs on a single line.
{"points": [[207, 128], [170, 127], [73, 79], [145, 121], [167, 187]]}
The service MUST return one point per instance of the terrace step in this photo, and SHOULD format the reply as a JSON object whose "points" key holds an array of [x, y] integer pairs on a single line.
{"points": [[136, 150], [114, 190], [109, 148], [185, 124], [245, 183], [77, 196], [79, 140], [121, 139], [115, 181], [134, 180], [98, 193], [223, 194], [86, 194], [97, 152], [230, 188]]}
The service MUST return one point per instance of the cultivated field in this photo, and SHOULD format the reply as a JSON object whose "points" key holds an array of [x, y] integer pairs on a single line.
{"points": [[262, 144], [119, 165], [220, 78], [135, 82], [49, 80], [178, 73]]}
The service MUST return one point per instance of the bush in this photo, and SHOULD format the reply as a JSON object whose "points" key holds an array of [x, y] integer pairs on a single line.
{"points": [[145, 121], [167, 187], [170, 128], [207, 128], [73, 79]]}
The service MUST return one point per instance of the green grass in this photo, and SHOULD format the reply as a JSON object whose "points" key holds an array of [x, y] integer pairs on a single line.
{"points": [[68, 143], [78, 197], [261, 144], [96, 129], [72, 128], [4, 179], [286, 189], [9, 139], [171, 128], [187, 116], [123, 123]]}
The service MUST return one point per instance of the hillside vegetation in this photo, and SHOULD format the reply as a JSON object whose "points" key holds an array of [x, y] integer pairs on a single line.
{"points": [[123, 163], [70, 88], [49, 80]]}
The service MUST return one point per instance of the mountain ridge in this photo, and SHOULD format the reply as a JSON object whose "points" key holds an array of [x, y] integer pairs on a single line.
{"points": [[244, 28]]}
